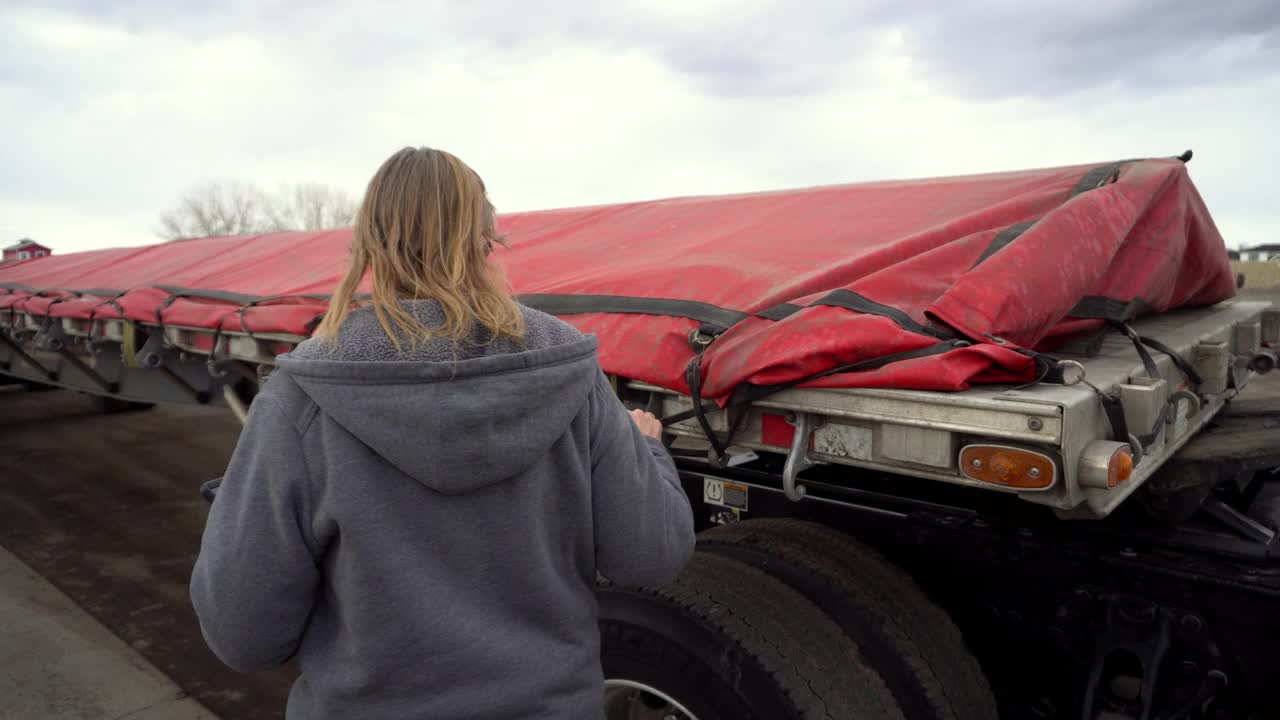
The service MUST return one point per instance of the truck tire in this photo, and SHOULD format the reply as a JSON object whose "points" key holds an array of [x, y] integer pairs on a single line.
{"points": [[726, 641], [902, 635]]}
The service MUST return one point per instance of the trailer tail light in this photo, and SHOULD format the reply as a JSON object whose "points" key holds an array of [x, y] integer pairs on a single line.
{"points": [[1120, 468], [1008, 467], [1105, 464]]}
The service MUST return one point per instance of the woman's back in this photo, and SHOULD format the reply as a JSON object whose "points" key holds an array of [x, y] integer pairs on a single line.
{"points": [[422, 523]]}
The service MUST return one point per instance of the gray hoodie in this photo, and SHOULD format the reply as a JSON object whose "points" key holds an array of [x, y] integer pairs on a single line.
{"points": [[424, 530]]}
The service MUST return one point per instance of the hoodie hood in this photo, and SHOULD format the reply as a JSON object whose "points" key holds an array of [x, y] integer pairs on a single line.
{"points": [[453, 416]]}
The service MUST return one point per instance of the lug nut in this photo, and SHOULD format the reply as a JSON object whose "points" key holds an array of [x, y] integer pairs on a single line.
{"points": [[1191, 624]]}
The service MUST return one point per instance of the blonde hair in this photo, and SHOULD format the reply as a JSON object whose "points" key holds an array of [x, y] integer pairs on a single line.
{"points": [[425, 229]]}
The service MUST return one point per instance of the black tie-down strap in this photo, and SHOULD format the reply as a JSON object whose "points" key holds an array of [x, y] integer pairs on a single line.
{"points": [[1112, 404], [747, 394], [858, 303], [693, 377], [1184, 365], [1114, 410], [1118, 314], [1109, 173], [1098, 307], [714, 321], [1141, 343], [1098, 176]]}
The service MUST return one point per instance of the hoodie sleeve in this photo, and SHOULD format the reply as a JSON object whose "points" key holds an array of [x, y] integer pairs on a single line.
{"points": [[256, 577], [643, 521]]}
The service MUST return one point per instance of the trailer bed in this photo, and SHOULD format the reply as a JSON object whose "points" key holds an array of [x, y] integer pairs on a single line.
{"points": [[897, 326], [919, 433]]}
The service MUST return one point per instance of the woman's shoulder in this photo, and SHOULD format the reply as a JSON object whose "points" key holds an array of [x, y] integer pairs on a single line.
{"points": [[543, 330], [281, 391]]}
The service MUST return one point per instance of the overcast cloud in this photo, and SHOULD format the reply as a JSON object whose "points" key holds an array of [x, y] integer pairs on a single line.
{"points": [[112, 109]]}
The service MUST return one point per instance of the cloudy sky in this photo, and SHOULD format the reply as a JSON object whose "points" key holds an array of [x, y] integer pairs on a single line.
{"points": [[112, 109]]}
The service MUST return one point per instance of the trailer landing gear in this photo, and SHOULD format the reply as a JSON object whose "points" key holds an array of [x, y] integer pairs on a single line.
{"points": [[1148, 661]]}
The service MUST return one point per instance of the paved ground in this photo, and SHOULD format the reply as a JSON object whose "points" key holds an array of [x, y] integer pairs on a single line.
{"points": [[57, 663], [107, 508]]}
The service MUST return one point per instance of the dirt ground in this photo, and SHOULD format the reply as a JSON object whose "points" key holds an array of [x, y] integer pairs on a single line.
{"points": [[107, 508]]}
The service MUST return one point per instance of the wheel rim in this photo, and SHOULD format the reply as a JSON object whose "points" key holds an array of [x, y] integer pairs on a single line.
{"points": [[630, 700]]}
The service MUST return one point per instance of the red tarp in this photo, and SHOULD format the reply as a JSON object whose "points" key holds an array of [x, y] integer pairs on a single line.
{"points": [[999, 259]]}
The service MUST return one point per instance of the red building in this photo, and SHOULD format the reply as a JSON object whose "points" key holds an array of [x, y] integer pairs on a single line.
{"points": [[25, 249]]}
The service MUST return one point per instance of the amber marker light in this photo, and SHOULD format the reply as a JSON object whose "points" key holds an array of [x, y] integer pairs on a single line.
{"points": [[1008, 467], [1105, 465]]}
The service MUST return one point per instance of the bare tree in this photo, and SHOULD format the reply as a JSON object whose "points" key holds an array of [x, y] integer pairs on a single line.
{"points": [[237, 208], [311, 206], [227, 208]]}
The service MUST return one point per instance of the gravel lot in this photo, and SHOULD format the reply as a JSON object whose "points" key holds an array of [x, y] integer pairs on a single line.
{"points": [[107, 508]]}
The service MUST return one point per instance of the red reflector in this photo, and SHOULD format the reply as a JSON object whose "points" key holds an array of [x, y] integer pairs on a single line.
{"points": [[776, 431]]}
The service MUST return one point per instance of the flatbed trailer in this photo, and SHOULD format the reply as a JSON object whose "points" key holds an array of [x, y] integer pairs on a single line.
{"points": [[916, 434], [1072, 515], [1075, 603]]}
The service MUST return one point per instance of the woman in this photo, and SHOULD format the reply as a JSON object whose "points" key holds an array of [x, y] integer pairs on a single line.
{"points": [[424, 493]]}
